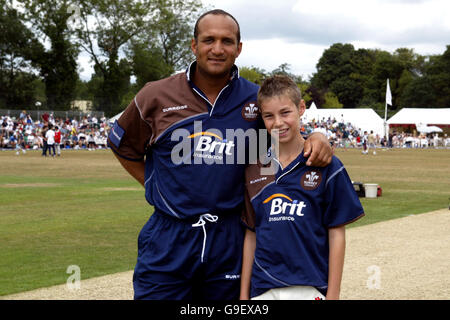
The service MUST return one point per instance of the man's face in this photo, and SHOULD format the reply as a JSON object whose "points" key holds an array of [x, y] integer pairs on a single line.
{"points": [[216, 47]]}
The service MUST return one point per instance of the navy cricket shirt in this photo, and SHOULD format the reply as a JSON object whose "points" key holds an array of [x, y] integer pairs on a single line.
{"points": [[193, 167], [291, 212]]}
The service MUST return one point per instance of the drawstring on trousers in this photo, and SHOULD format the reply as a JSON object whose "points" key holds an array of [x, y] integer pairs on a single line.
{"points": [[201, 223]]}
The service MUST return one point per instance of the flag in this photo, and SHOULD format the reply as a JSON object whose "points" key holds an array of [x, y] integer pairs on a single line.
{"points": [[388, 94], [388, 102]]}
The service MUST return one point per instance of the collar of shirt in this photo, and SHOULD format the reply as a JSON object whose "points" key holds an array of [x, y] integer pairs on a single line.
{"points": [[299, 161], [222, 95]]}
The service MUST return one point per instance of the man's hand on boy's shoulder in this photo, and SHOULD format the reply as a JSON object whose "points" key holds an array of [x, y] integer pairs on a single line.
{"points": [[318, 150]]}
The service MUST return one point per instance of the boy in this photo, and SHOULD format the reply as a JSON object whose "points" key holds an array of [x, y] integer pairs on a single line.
{"points": [[297, 211]]}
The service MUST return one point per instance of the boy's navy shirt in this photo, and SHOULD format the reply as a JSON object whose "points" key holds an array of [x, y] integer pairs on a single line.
{"points": [[291, 211], [148, 130]]}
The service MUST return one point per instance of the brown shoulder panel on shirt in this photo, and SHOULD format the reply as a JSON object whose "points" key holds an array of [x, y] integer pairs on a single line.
{"points": [[156, 107], [133, 143], [255, 181], [165, 102]]}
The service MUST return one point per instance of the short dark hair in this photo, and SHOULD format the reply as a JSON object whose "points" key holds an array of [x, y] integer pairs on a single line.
{"points": [[279, 85], [217, 12]]}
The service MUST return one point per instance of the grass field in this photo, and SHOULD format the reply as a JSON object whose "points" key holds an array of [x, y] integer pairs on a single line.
{"points": [[83, 209]]}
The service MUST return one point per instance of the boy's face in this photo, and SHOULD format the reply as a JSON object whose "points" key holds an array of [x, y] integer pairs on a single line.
{"points": [[282, 117]]}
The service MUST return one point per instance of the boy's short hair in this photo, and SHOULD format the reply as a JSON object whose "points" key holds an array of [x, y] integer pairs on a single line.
{"points": [[279, 85]]}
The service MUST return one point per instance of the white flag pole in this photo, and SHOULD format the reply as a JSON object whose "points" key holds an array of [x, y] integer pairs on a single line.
{"points": [[386, 130], [388, 101]]}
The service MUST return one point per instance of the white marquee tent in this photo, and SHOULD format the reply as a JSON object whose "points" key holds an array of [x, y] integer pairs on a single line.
{"points": [[421, 117], [365, 119]]}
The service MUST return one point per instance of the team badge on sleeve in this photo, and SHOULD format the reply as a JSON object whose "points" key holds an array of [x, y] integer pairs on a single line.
{"points": [[116, 134], [311, 179]]}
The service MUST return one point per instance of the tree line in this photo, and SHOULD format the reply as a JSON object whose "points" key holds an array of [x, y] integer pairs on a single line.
{"points": [[41, 40], [146, 40], [350, 78]]}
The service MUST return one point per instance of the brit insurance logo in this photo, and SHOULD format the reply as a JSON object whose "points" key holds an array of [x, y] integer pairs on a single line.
{"points": [[311, 180], [283, 208], [214, 146], [211, 146], [250, 111]]}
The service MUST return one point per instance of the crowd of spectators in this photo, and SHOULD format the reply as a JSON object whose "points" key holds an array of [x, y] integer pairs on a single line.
{"points": [[90, 133], [25, 133], [343, 134]]}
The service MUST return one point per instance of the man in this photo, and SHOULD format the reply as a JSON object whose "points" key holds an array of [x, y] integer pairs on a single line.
{"points": [[50, 137], [44, 140], [191, 248]]}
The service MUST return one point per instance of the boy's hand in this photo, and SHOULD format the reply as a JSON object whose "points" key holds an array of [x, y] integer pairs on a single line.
{"points": [[318, 149]]}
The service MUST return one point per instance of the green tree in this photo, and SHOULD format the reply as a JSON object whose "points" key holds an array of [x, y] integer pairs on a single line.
{"points": [[147, 63], [173, 27], [104, 28], [339, 71], [305, 93], [438, 72], [402, 68], [419, 93], [317, 95], [19, 51], [253, 74], [163, 45], [82, 91], [331, 101], [57, 64]]}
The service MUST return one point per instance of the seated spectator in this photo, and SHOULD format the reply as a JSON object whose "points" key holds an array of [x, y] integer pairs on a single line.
{"points": [[74, 140], [82, 138], [91, 142]]}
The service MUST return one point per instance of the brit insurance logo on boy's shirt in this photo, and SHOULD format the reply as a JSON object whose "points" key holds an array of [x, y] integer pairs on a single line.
{"points": [[250, 111], [311, 179], [283, 208]]}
